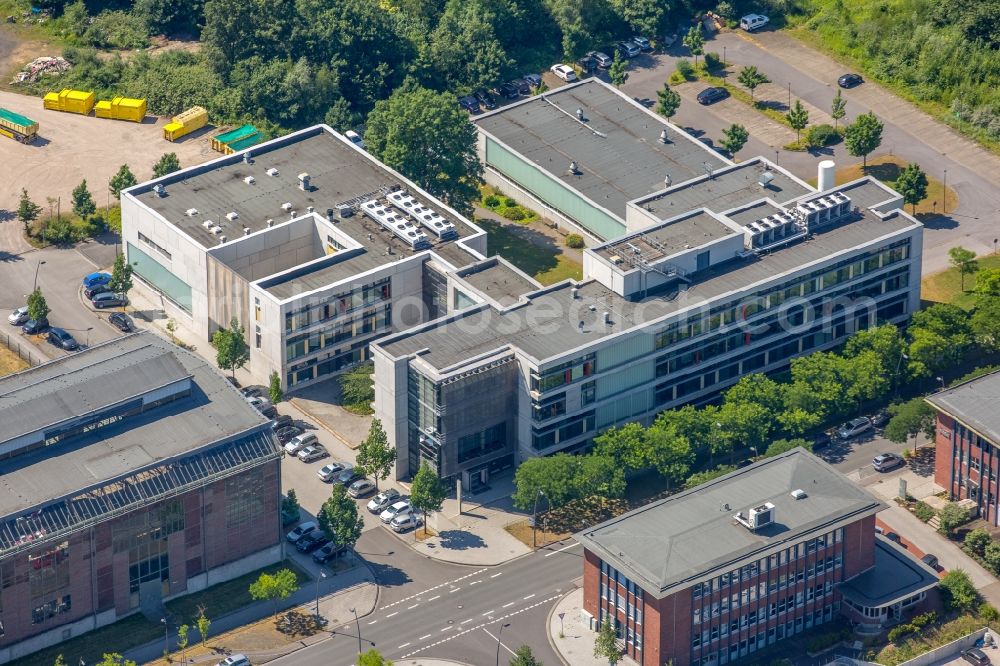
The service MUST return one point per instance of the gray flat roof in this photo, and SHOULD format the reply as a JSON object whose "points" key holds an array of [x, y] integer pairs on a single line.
{"points": [[617, 150], [726, 189], [753, 212], [974, 403], [896, 576], [675, 236], [215, 411], [499, 280], [548, 325], [670, 544]]}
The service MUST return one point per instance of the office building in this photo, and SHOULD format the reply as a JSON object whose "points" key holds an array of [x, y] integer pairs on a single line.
{"points": [[132, 473], [967, 456], [715, 574]]}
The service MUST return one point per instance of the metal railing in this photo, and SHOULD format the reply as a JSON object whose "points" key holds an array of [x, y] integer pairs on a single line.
{"points": [[22, 349]]}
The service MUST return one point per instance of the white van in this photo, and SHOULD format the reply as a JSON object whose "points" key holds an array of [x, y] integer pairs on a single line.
{"points": [[752, 22]]}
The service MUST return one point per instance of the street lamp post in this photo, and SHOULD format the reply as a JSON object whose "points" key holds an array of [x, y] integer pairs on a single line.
{"points": [[358, 623], [499, 634], [944, 194], [322, 576], [166, 638], [37, 266], [995, 241], [789, 95], [776, 158], [534, 519]]}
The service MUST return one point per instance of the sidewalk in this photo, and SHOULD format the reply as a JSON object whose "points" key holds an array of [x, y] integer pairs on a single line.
{"points": [[575, 646]]}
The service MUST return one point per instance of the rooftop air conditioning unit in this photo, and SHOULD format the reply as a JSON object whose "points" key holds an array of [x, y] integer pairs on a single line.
{"points": [[249, 180], [160, 190], [798, 494], [286, 206], [616, 260], [216, 230], [208, 224], [191, 212], [232, 215], [270, 223], [222, 239], [757, 517], [272, 172], [344, 210], [246, 231]]}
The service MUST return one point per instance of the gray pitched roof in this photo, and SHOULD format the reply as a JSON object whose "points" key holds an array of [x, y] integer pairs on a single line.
{"points": [[974, 403], [675, 542]]}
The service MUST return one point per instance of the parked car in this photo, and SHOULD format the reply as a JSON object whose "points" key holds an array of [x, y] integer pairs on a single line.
{"points": [[752, 22], [287, 433], [642, 43], [383, 500], [930, 560], [887, 461], [311, 453], [300, 531], [850, 80], [95, 290], [347, 476], [644, 101], [329, 471], [564, 72], [257, 401], [95, 279], [522, 86], [268, 411], [121, 321], [821, 440], [400, 507], [35, 326], [880, 418], [327, 552], [235, 660], [628, 48], [854, 427], [282, 421], [355, 138], [108, 300], [712, 95], [603, 59], [404, 521], [507, 91], [360, 488], [485, 99], [300, 442], [976, 656], [534, 80], [469, 103], [253, 391], [588, 65], [60, 338], [18, 316], [892, 536], [311, 542]]}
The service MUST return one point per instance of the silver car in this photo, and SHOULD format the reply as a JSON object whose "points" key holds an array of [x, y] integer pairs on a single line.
{"points": [[380, 502], [397, 509], [18, 316]]}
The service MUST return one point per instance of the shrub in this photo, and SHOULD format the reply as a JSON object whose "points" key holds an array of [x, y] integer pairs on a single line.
{"points": [[824, 641], [923, 511], [491, 201], [514, 213], [924, 619], [798, 146], [899, 631], [958, 591], [977, 540], [988, 613], [507, 201], [713, 61], [676, 78], [574, 241], [818, 136], [685, 69], [952, 515]]}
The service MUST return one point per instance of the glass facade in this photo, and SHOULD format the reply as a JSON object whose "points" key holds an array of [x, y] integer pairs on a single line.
{"points": [[423, 421], [160, 278]]}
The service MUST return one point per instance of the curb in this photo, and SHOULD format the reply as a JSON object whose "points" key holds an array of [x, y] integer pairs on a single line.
{"points": [[548, 625], [321, 423]]}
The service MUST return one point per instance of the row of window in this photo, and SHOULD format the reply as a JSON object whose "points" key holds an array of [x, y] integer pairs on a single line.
{"points": [[760, 614], [878, 612], [483, 442], [623, 602], [51, 608], [564, 373], [630, 635], [562, 432], [338, 305], [375, 319], [763, 639], [153, 244], [315, 368]]}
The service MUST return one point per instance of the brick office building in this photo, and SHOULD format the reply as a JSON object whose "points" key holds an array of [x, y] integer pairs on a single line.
{"points": [[130, 473], [712, 575], [967, 443]]}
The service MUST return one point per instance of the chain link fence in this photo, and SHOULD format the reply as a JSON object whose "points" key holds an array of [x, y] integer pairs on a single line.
{"points": [[24, 351]]}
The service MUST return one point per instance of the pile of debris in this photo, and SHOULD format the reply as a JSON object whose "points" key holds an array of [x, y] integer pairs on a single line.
{"points": [[39, 66]]}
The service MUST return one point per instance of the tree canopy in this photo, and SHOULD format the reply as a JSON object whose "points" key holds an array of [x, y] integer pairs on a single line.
{"points": [[231, 349], [339, 519], [863, 136], [376, 456], [274, 587], [427, 493], [912, 184]]}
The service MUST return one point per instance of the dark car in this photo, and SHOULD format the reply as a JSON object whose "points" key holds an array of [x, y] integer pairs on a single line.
{"points": [[327, 553], [121, 321], [930, 560], [253, 391], [850, 80], [712, 95], [880, 419], [892, 536], [95, 279], [95, 290], [288, 433], [108, 300], [347, 476], [534, 80], [268, 411], [62, 339], [280, 422], [821, 441], [507, 91], [35, 326], [469, 103], [485, 99], [976, 656], [588, 64], [310, 542], [523, 87], [645, 101]]}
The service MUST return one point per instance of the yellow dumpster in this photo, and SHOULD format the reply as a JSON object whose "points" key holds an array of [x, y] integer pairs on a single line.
{"points": [[71, 101], [121, 108], [185, 123]]}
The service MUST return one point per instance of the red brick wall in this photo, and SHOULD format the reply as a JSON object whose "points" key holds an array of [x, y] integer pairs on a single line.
{"points": [[943, 458], [591, 582], [675, 629], [859, 547]]}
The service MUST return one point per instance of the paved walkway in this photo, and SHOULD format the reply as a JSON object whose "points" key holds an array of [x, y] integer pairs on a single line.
{"points": [[570, 635], [733, 110]]}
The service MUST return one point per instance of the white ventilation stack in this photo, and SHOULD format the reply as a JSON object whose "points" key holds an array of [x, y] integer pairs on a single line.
{"points": [[825, 179]]}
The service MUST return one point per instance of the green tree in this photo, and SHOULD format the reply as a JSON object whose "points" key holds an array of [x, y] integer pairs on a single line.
{"points": [[290, 506], [912, 184], [779, 446], [554, 476], [669, 453], [668, 101], [373, 658], [988, 282], [339, 519], [734, 138], [428, 138], [695, 41], [524, 657], [964, 260], [274, 587], [274, 391], [863, 136], [626, 445], [888, 345], [357, 388], [376, 456], [645, 17], [928, 352], [958, 591], [60, 661], [114, 659], [698, 425], [751, 78], [952, 516], [427, 492], [985, 323], [798, 118], [37, 307], [838, 108], [122, 180], [168, 163], [231, 349], [705, 476], [182, 639], [977, 540], [618, 71], [945, 319], [27, 210], [745, 424], [76, 18], [605, 644], [598, 475], [83, 202], [465, 50], [203, 624], [991, 555], [910, 419], [121, 277]]}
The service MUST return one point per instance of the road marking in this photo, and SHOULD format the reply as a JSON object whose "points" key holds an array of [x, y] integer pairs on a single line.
{"points": [[372, 622], [419, 594], [402, 646], [391, 614], [412, 607], [528, 597], [497, 639], [507, 605], [454, 590], [423, 638], [489, 612], [572, 545], [446, 628], [496, 574], [475, 582], [469, 620], [433, 598]]}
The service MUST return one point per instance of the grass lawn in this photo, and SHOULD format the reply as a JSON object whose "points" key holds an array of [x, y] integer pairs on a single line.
{"points": [[227, 597], [546, 264], [886, 168], [119, 637], [945, 287], [10, 362]]}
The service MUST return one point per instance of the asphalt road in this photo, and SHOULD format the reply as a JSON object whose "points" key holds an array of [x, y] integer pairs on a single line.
{"points": [[432, 609]]}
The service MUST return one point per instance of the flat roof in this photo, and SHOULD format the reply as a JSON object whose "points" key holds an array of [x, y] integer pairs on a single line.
{"points": [[669, 238], [548, 325], [213, 412], [670, 544], [616, 148], [499, 280], [725, 189], [974, 403], [753, 212], [897, 575]]}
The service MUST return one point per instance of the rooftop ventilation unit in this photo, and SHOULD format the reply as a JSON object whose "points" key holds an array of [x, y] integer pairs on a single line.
{"points": [[574, 293], [304, 182], [270, 223], [272, 172], [222, 239], [607, 318], [344, 211], [709, 169], [286, 206], [616, 260], [232, 215], [776, 229], [216, 230], [191, 212], [574, 169], [160, 190], [427, 217], [246, 231], [757, 517], [579, 115], [311, 209], [667, 181], [249, 180], [798, 494], [765, 178], [208, 224], [395, 222], [824, 210], [246, 157], [329, 214], [664, 137]]}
